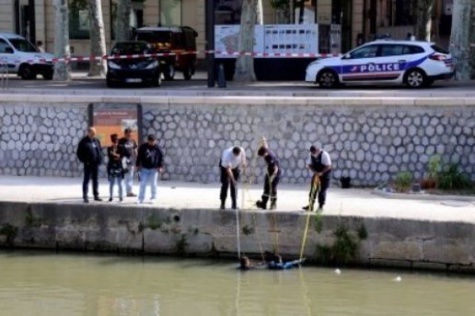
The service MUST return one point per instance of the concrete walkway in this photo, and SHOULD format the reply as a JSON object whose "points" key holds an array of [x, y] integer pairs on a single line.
{"points": [[173, 194]]}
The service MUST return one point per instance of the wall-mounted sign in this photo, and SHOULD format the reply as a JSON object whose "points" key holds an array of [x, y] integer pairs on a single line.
{"points": [[114, 119]]}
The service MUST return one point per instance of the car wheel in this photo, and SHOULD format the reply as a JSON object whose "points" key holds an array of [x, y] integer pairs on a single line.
{"points": [[187, 73], [169, 72], [327, 79], [110, 83], [416, 78], [26, 72], [48, 76]]}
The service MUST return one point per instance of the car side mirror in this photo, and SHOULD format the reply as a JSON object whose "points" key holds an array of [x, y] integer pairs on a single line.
{"points": [[8, 50]]}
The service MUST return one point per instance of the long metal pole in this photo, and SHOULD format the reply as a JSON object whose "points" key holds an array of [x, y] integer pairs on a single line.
{"points": [[209, 14]]}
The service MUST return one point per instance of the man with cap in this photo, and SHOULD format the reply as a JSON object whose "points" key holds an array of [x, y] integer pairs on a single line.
{"points": [[149, 163], [129, 147], [319, 163], [89, 152], [232, 160], [271, 179]]}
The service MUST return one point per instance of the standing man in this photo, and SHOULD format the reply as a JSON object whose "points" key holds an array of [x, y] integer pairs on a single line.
{"points": [[129, 147], [89, 152], [320, 165], [230, 165], [149, 163], [271, 179]]}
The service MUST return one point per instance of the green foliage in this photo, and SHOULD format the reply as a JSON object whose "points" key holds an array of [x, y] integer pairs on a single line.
{"points": [[434, 166], [403, 181], [153, 222], [247, 230], [10, 232], [345, 246], [181, 244], [452, 179], [362, 232], [31, 220]]}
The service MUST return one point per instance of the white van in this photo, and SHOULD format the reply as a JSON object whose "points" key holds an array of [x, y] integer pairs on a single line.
{"points": [[20, 56]]}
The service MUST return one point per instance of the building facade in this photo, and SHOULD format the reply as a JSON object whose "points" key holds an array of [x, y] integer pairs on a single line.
{"points": [[359, 20]]}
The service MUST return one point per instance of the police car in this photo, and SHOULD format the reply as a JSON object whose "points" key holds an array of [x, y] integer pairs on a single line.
{"points": [[413, 63]]}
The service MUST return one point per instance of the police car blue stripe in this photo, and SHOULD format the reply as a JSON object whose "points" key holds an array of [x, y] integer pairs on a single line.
{"points": [[377, 67]]}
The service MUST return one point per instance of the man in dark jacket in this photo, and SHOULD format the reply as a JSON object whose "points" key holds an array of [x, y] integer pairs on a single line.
{"points": [[149, 163], [320, 164], [271, 179], [89, 152]]}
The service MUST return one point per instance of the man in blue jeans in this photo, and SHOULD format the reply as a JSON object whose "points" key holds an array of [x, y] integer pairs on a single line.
{"points": [[149, 163]]}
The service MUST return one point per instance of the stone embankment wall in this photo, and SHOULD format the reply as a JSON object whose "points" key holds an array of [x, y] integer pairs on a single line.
{"points": [[370, 140], [365, 241]]}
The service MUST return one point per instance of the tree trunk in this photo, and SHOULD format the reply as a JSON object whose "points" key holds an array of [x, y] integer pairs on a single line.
{"points": [[460, 38], [122, 26], [61, 40], [245, 64], [98, 39], [424, 19]]}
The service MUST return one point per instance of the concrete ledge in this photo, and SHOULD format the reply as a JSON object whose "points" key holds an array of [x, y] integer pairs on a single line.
{"points": [[380, 241]]}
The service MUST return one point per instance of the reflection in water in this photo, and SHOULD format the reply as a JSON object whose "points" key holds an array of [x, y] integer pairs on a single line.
{"points": [[50, 284]]}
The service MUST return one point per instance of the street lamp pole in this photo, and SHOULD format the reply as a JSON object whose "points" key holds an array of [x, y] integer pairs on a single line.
{"points": [[209, 15]]}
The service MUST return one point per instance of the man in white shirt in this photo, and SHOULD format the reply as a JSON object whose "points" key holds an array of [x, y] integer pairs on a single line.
{"points": [[320, 164], [232, 160]]}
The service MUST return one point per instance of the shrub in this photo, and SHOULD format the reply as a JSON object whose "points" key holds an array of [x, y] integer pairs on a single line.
{"points": [[452, 179], [403, 181]]}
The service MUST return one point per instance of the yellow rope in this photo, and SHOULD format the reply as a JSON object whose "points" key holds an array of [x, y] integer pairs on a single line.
{"points": [[315, 188]]}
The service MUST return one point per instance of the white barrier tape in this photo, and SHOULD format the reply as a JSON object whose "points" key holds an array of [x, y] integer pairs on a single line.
{"points": [[220, 53]]}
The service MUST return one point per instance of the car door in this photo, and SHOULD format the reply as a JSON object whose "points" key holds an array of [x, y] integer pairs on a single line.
{"points": [[7, 63], [395, 60], [358, 65]]}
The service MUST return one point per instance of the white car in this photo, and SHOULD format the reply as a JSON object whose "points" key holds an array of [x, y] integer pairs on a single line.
{"points": [[416, 64], [18, 55]]}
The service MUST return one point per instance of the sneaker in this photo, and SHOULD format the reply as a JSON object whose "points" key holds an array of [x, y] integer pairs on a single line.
{"points": [[139, 202], [320, 209], [153, 200], [86, 200], [110, 199], [307, 208], [273, 206], [120, 199], [222, 206], [98, 199], [131, 195]]}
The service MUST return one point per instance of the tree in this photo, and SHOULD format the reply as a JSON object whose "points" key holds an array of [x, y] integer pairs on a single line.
{"points": [[122, 26], [98, 39], [472, 41], [424, 19], [245, 64], [460, 38], [61, 40]]}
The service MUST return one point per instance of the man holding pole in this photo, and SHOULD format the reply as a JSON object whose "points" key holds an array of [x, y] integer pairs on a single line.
{"points": [[232, 160], [320, 165]]}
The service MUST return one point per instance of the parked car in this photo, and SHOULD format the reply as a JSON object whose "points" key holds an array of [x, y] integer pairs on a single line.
{"points": [[413, 63], [180, 41], [20, 56], [132, 63]]}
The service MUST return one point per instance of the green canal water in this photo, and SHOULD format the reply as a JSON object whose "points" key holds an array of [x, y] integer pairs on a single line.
{"points": [[44, 283]]}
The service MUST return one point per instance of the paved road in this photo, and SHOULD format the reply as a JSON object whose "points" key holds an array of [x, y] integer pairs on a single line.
{"points": [[173, 194], [81, 84]]}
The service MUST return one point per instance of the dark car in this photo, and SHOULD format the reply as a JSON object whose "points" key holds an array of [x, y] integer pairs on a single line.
{"points": [[179, 42], [132, 63]]}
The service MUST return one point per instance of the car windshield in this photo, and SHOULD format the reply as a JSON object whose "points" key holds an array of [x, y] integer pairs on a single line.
{"points": [[130, 48], [439, 49], [23, 45], [155, 36]]}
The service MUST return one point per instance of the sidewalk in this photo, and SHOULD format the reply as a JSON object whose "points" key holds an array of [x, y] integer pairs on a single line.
{"points": [[174, 194]]}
